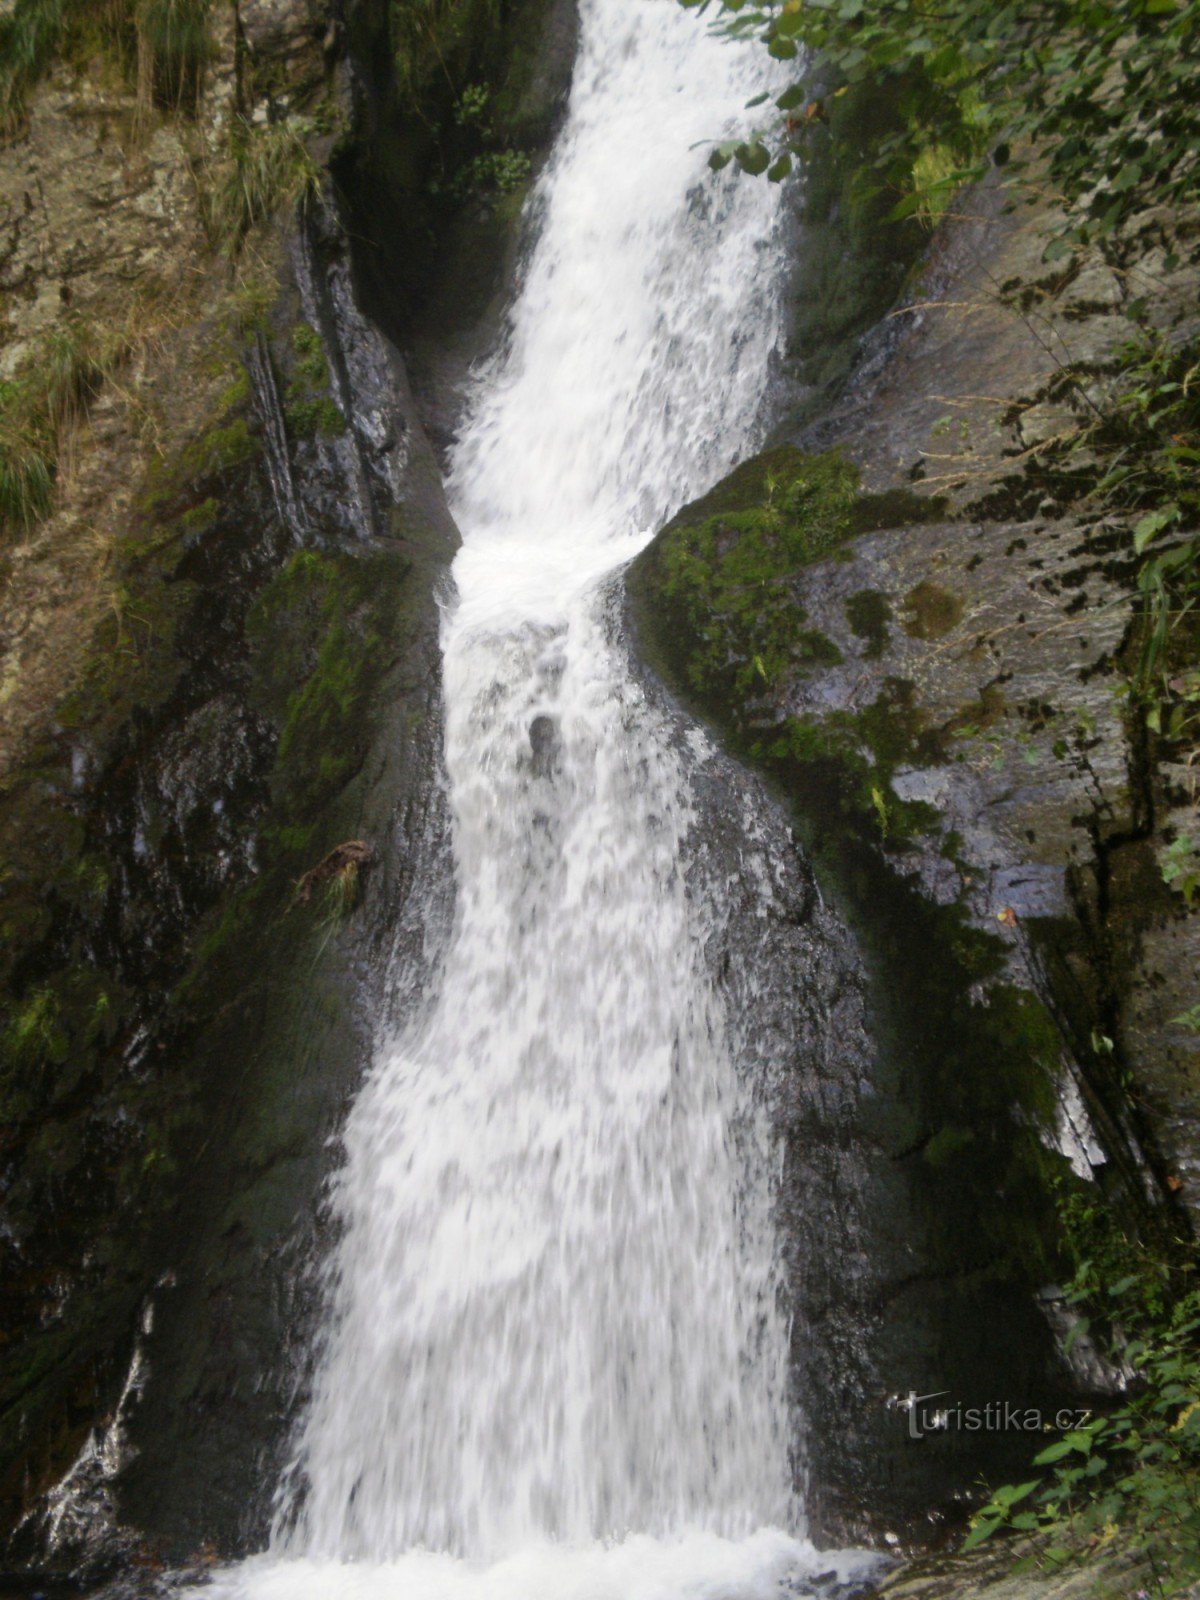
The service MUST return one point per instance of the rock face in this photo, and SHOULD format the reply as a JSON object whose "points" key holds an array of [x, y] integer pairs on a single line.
{"points": [[921, 633], [998, 362], [219, 664]]}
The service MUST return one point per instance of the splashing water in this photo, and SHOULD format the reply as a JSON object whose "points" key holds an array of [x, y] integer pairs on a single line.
{"points": [[556, 1365]]}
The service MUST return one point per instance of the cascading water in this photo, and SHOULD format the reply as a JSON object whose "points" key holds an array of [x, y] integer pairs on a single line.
{"points": [[556, 1363]]}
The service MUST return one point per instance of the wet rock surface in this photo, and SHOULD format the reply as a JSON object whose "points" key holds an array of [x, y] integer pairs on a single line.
{"points": [[1052, 781], [930, 668], [298, 706], [249, 541], [242, 679], [899, 1118]]}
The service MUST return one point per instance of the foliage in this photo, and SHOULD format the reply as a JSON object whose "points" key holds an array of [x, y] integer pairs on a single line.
{"points": [[29, 37], [1133, 1473], [170, 39], [1181, 867], [730, 575], [174, 48], [309, 408], [269, 167], [1109, 93], [26, 474], [426, 34], [47, 397], [499, 171], [496, 168], [1149, 441]]}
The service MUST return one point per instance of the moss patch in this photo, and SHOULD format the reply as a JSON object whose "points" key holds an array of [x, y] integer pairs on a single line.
{"points": [[868, 612], [722, 573], [307, 404], [931, 611]]}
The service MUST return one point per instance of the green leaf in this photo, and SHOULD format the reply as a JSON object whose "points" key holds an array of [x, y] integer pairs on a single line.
{"points": [[1012, 1494], [981, 1531], [780, 169], [1148, 526], [793, 97], [752, 158], [1056, 249], [1052, 1453]]}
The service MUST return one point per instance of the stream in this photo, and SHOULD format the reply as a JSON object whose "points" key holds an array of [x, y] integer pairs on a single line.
{"points": [[555, 1361]]}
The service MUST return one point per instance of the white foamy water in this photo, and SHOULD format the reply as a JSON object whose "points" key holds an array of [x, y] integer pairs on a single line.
{"points": [[556, 1362]]}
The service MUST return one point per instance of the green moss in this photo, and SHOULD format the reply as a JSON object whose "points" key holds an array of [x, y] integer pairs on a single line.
{"points": [[311, 365], [945, 1144], [724, 570], [200, 518], [219, 449], [931, 611], [319, 631], [868, 612], [896, 508], [307, 405], [237, 393], [34, 1033], [851, 758], [314, 418], [53, 1034]]}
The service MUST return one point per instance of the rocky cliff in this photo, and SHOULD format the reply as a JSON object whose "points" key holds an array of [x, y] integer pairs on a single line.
{"points": [[225, 535], [911, 616]]}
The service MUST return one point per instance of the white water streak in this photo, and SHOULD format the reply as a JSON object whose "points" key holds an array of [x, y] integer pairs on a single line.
{"points": [[556, 1317]]}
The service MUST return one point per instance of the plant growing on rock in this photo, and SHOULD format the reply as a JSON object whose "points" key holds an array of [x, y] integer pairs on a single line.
{"points": [[1107, 93], [38, 408], [1132, 1474], [174, 46], [29, 37], [170, 39], [268, 167]]}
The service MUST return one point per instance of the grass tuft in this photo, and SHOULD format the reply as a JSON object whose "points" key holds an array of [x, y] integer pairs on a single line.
{"points": [[270, 167], [38, 408], [30, 36], [26, 477], [174, 49]]}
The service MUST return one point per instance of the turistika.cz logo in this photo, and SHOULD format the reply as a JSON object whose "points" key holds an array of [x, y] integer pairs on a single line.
{"points": [[926, 1416]]}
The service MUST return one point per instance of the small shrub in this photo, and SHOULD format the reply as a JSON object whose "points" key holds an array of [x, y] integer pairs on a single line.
{"points": [[174, 49], [30, 36], [37, 409], [1133, 1474], [269, 167]]}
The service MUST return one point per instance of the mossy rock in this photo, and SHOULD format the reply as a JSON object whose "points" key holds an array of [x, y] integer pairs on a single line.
{"points": [[719, 610], [718, 603], [715, 594], [308, 406]]}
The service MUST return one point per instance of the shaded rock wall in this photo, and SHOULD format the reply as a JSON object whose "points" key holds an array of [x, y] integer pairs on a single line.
{"points": [[220, 663], [930, 674]]}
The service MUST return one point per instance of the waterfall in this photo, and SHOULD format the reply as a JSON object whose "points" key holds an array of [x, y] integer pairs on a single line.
{"points": [[556, 1360]]}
